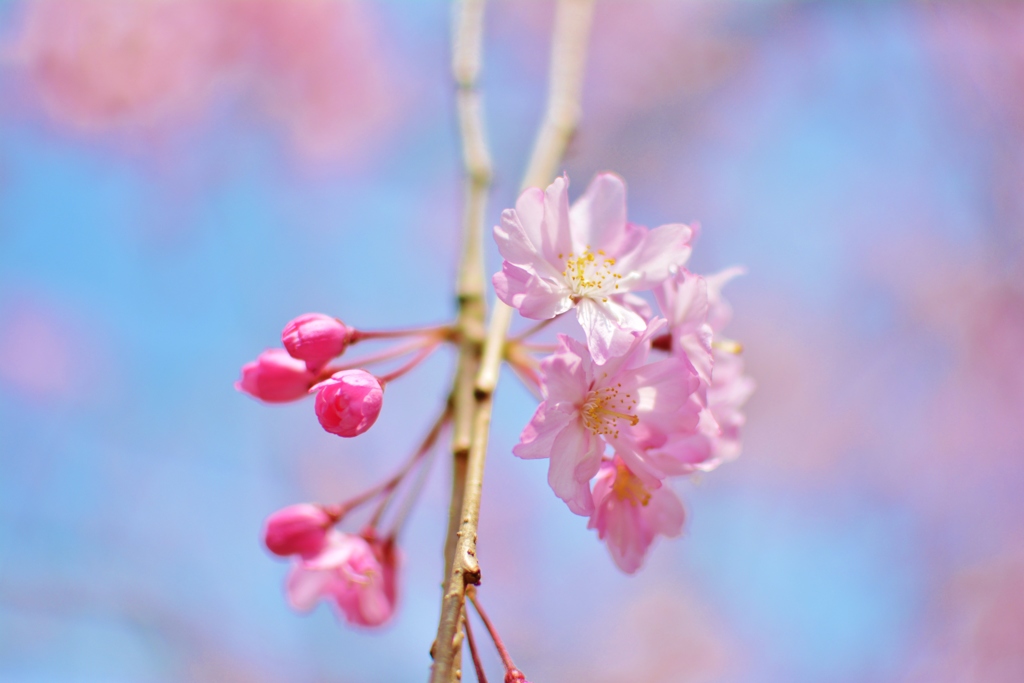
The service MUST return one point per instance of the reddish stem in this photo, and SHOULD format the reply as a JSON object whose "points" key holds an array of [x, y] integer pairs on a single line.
{"points": [[386, 354], [388, 486], [481, 677], [416, 360], [506, 659], [436, 330]]}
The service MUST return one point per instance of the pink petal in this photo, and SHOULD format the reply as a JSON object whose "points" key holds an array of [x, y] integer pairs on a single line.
{"points": [[608, 328], [599, 216], [575, 459], [665, 512], [538, 437], [662, 251], [304, 587]]}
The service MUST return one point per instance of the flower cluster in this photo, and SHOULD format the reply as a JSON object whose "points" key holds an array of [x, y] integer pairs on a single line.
{"points": [[644, 397]]}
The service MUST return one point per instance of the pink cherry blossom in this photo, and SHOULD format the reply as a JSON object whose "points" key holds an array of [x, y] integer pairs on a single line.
{"points": [[587, 256], [349, 402], [628, 514], [275, 377], [626, 403], [297, 530], [355, 573], [696, 313], [315, 338]]}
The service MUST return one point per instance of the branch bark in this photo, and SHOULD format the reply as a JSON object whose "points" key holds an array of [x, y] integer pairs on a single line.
{"points": [[568, 58], [467, 32]]}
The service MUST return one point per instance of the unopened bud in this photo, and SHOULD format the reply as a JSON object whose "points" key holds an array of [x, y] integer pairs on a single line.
{"points": [[297, 530], [315, 338], [275, 377], [349, 402]]}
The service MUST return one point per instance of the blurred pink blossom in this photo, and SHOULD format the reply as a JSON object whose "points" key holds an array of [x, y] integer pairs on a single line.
{"points": [[316, 66], [357, 574], [36, 353]]}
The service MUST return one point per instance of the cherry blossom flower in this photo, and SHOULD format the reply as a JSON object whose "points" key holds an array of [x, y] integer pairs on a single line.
{"points": [[349, 402], [628, 514], [315, 338], [696, 313], [275, 377], [626, 403], [356, 573], [587, 256], [297, 530]]}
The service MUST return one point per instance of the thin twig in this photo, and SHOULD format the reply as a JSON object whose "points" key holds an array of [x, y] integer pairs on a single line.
{"points": [[381, 356], [571, 30], [413, 362], [361, 335], [481, 677], [506, 658], [389, 486], [412, 495]]}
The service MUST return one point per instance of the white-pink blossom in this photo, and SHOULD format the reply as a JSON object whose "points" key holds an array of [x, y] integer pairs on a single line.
{"points": [[587, 256], [626, 403], [629, 514]]}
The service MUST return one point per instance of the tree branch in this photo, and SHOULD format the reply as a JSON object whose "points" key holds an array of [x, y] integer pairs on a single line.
{"points": [[467, 32], [568, 55]]}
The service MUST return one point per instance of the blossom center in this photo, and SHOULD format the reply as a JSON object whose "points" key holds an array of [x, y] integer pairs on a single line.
{"points": [[606, 407], [590, 272], [627, 487]]}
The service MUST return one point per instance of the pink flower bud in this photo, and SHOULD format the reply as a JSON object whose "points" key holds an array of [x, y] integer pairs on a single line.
{"points": [[275, 377], [349, 402], [297, 530], [315, 338]]}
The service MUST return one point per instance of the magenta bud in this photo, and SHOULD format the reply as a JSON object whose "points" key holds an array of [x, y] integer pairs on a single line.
{"points": [[315, 338], [297, 530], [275, 377], [349, 402]]}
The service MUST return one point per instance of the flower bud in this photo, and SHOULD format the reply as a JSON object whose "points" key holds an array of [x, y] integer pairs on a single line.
{"points": [[275, 377], [349, 402], [315, 338], [297, 530]]}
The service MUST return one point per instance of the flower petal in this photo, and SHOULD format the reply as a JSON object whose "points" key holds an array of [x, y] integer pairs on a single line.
{"points": [[575, 459], [599, 216], [659, 255], [538, 437], [608, 327], [304, 587]]}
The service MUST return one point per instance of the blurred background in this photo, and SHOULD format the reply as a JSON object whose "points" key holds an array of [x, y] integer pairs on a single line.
{"points": [[179, 178]]}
